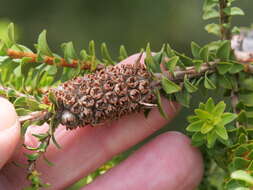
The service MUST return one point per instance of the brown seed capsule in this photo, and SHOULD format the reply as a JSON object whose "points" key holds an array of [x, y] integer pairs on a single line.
{"points": [[68, 118], [107, 94], [135, 95]]}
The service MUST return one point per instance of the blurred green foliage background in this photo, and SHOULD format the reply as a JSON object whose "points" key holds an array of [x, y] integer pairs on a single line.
{"points": [[129, 22]]}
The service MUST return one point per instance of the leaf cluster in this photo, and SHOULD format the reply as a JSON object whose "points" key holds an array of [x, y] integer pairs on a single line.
{"points": [[212, 10], [209, 123]]}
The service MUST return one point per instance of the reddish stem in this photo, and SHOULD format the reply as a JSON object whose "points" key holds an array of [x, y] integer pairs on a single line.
{"points": [[85, 65]]}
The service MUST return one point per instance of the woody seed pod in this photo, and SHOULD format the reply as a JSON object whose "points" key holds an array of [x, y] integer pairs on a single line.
{"points": [[107, 94]]}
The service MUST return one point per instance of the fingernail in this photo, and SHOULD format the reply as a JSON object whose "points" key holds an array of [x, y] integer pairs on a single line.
{"points": [[8, 116]]}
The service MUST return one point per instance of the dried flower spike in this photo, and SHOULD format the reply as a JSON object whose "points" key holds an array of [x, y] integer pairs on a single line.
{"points": [[107, 94]]}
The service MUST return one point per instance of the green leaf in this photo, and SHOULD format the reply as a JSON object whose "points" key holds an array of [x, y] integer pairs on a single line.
{"points": [[183, 97], [236, 68], [158, 58], [23, 48], [195, 126], [22, 111], [250, 155], [198, 139], [247, 84], [55, 142], [152, 66], [51, 69], [204, 53], [52, 98], [92, 56], [250, 166], [3, 93], [195, 48], [221, 131], [171, 64], [202, 114], [11, 93], [189, 86], [208, 83], [42, 44], [20, 102], [192, 118], [228, 117], [224, 50], [41, 136], [26, 66], [209, 106], [242, 175], [105, 53], [206, 128], [30, 148], [211, 139], [246, 98], [84, 55], [240, 163], [32, 157], [241, 150], [219, 109], [197, 64], [233, 11], [236, 30], [169, 51], [202, 106], [212, 13], [169, 87], [184, 60], [213, 29], [69, 51], [3, 48], [159, 102], [225, 81], [122, 53], [11, 34], [209, 4], [242, 117], [224, 67], [92, 49]]}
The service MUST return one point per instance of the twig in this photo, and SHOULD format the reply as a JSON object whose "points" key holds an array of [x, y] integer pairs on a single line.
{"points": [[224, 20], [32, 173], [177, 76], [34, 116], [85, 65], [226, 35]]}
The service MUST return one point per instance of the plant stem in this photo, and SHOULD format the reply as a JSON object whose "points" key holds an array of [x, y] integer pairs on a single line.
{"points": [[224, 21], [177, 76], [34, 116], [85, 65], [32, 174]]}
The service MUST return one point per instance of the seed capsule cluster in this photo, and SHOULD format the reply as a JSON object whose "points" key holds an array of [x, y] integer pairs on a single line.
{"points": [[107, 94]]}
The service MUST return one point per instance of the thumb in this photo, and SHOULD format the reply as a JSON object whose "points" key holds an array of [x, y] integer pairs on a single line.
{"points": [[9, 130]]}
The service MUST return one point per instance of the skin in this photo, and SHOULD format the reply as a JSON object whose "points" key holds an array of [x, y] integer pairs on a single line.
{"points": [[167, 162]]}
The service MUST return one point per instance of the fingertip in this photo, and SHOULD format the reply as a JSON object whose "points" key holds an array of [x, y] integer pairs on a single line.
{"points": [[133, 58], [8, 114], [167, 162], [188, 161], [9, 130]]}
